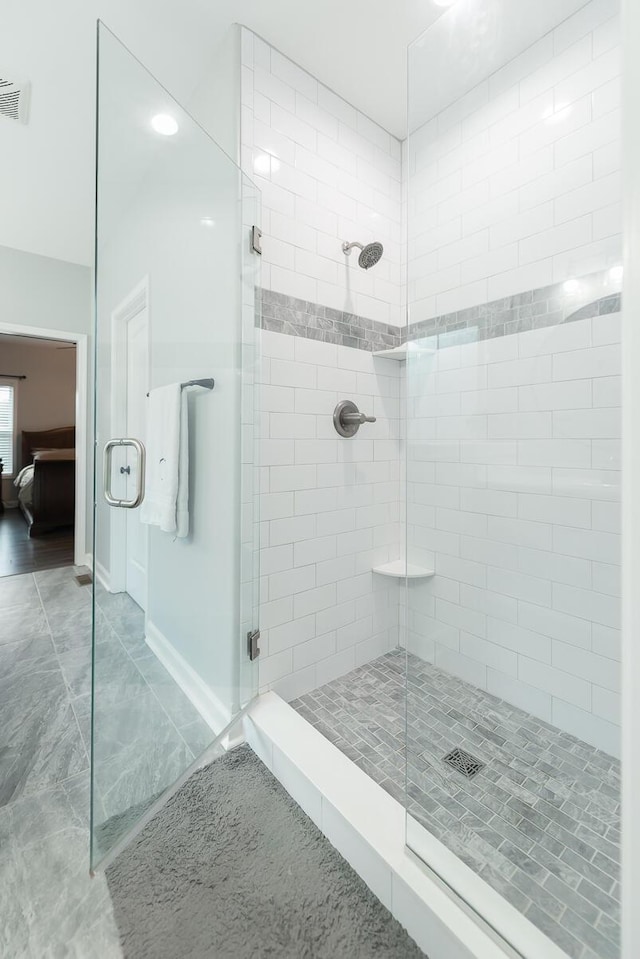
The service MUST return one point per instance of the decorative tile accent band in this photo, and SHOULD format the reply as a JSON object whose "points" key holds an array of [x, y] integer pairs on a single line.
{"points": [[287, 314], [592, 295]]}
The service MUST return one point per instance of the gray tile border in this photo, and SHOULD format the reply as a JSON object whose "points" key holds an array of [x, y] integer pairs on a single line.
{"points": [[531, 310], [280, 313], [539, 823]]}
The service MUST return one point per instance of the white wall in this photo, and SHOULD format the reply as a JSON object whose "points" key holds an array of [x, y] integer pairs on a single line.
{"points": [[329, 511], [215, 103], [478, 36], [45, 293], [48, 294], [329, 506], [327, 174], [47, 398], [180, 227], [517, 184], [514, 499], [514, 486]]}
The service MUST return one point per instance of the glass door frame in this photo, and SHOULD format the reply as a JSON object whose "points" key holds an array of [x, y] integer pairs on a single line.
{"points": [[246, 362]]}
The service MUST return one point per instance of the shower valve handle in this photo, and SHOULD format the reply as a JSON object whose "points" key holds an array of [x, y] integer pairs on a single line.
{"points": [[348, 419], [358, 418]]}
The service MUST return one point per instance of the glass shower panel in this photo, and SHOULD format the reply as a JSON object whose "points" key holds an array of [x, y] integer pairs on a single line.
{"points": [[513, 467], [175, 574]]}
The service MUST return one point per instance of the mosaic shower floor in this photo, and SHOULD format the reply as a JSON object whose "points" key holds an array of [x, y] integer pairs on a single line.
{"points": [[540, 822]]}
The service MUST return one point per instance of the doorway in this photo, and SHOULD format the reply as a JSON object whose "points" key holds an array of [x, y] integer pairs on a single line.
{"points": [[129, 389], [41, 487]]}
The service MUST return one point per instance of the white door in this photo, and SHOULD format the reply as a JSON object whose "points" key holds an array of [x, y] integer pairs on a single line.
{"points": [[137, 386]]}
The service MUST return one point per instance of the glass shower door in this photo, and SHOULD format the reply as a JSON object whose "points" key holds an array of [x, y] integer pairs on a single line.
{"points": [[514, 470], [175, 528]]}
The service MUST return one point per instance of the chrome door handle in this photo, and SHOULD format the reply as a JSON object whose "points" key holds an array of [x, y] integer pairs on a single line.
{"points": [[108, 455]]}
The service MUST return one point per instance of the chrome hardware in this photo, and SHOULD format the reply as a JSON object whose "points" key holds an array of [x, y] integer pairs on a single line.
{"points": [[256, 237], [207, 383], [125, 469], [108, 455], [370, 255], [253, 637], [348, 419]]}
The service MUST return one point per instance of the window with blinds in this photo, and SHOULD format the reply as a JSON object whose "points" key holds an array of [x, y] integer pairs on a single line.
{"points": [[7, 428]]}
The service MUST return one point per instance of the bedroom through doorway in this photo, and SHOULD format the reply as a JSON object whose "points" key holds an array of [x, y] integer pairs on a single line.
{"points": [[38, 392]]}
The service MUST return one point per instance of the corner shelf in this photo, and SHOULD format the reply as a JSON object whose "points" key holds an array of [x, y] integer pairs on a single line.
{"points": [[399, 569], [400, 352]]}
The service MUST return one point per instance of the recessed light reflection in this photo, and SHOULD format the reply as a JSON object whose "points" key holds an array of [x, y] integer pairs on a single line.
{"points": [[266, 163], [616, 273], [556, 114], [165, 124], [208, 221], [571, 286]]}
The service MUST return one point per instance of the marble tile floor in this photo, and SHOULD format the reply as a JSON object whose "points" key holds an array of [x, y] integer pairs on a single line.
{"points": [[147, 734], [540, 823]]}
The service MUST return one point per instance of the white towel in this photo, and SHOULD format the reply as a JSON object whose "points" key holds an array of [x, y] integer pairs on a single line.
{"points": [[166, 501]]}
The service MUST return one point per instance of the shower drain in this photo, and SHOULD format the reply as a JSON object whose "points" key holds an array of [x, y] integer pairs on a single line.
{"points": [[463, 762]]}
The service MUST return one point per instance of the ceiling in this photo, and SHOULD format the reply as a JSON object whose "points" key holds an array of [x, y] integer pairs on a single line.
{"points": [[46, 201]]}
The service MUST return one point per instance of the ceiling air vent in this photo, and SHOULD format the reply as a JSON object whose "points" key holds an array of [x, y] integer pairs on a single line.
{"points": [[14, 100]]}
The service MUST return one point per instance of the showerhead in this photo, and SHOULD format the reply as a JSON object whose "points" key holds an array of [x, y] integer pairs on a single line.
{"points": [[370, 255]]}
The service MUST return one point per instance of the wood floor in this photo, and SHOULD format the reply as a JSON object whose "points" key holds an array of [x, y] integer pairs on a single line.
{"points": [[19, 554]]}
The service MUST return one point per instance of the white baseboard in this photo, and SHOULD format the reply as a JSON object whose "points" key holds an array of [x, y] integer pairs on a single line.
{"points": [[214, 713], [367, 826], [100, 573]]}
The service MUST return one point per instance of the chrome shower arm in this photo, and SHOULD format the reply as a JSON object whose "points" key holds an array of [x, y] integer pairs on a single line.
{"points": [[347, 247]]}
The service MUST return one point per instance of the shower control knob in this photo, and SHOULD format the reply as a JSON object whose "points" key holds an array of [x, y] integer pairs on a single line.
{"points": [[348, 419]]}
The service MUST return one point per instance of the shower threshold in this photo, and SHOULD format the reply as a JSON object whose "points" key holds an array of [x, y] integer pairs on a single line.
{"points": [[539, 823]]}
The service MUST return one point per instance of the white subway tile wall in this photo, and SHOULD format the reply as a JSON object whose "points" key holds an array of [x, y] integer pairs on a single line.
{"points": [[330, 512], [513, 469], [517, 185], [514, 499], [327, 174]]}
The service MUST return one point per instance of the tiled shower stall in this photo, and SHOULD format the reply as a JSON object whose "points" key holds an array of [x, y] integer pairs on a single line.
{"points": [[503, 210], [514, 407]]}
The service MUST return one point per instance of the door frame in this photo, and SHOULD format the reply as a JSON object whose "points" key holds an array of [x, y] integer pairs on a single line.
{"points": [[136, 300], [81, 549], [630, 478]]}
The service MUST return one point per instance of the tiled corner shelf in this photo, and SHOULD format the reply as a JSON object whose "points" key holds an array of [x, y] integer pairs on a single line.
{"points": [[400, 352], [399, 569]]}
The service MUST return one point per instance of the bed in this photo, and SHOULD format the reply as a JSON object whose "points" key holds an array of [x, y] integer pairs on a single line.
{"points": [[46, 482]]}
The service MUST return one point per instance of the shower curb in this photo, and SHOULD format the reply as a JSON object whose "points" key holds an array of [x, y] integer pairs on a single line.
{"points": [[367, 826]]}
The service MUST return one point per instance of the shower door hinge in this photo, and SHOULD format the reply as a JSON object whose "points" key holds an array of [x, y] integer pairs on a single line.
{"points": [[256, 237], [253, 637]]}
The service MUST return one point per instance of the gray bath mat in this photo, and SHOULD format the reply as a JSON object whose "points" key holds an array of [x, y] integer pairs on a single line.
{"points": [[232, 868]]}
